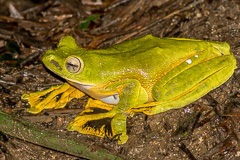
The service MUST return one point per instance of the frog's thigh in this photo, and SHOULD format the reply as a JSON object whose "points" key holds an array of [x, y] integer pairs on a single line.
{"points": [[194, 93]]}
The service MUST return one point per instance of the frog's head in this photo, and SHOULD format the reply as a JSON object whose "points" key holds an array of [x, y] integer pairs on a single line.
{"points": [[68, 62]]}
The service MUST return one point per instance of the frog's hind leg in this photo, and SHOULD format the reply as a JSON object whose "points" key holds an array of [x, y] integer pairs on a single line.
{"points": [[197, 89], [100, 124]]}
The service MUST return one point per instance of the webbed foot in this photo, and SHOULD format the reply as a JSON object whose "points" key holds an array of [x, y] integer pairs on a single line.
{"points": [[54, 97], [101, 124]]}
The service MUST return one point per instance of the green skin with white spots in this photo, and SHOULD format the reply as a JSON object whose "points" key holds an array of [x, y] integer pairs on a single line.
{"points": [[149, 75]]}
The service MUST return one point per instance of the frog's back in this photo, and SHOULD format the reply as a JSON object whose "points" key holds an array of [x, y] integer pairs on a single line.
{"points": [[152, 57], [149, 58]]}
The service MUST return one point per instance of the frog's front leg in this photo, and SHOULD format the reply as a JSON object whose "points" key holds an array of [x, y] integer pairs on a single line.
{"points": [[130, 93], [54, 97]]}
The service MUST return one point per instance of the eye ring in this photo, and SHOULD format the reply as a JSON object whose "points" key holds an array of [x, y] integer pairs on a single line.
{"points": [[73, 65]]}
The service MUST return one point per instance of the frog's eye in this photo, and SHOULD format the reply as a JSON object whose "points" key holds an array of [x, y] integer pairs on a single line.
{"points": [[73, 64]]}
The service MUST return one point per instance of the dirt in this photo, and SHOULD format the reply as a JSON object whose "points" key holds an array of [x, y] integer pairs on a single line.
{"points": [[208, 128]]}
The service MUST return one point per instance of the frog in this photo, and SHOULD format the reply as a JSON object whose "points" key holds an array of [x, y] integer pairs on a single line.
{"points": [[146, 75]]}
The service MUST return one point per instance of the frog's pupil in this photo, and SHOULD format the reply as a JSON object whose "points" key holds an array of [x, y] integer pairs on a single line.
{"points": [[72, 67]]}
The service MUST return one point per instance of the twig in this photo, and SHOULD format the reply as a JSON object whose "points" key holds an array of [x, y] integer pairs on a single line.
{"points": [[33, 133]]}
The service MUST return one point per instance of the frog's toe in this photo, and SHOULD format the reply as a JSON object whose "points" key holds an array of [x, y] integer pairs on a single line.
{"points": [[34, 110], [40, 106], [25, 96], [32, 98], [122, 138]]}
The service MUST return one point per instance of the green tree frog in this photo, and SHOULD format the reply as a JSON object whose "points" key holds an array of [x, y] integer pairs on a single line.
{"points": [[149, 75]]}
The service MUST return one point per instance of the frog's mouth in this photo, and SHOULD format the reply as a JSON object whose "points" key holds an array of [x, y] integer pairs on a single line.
{"points": [[83, 87]]}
